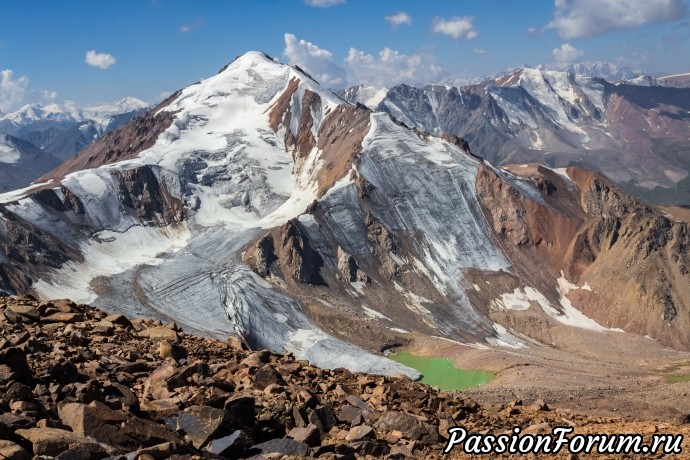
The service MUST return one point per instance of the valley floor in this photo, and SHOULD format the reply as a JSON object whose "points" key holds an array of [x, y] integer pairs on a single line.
{"points": [[613, 374]]}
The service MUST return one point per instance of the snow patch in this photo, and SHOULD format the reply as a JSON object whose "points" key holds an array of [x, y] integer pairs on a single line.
{"points": [[504, 338]]}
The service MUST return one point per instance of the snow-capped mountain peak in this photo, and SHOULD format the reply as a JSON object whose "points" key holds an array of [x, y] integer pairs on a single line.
{"points": [[367, 95], [598, 69]]}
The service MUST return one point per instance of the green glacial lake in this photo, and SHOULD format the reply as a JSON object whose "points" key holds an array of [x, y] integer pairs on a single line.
{"points": [[440, 372]]}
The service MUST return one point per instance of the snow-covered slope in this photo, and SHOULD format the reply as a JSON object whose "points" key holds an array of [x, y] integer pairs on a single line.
{"points": [[21, 162], [632, 133], [257, 203], [369, 96]]}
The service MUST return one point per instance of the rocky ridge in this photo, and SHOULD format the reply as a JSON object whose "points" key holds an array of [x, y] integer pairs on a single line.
{"points": [[78, 383]]}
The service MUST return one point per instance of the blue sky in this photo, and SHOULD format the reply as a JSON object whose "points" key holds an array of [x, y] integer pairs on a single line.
{"points": [[144, 48]]}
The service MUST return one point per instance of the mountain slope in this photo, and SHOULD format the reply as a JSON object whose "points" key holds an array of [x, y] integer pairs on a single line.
{"points": [[635, 135], [257, 203], [60, 132], [21, 162]]}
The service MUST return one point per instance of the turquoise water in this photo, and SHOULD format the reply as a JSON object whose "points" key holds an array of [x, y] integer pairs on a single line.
{"points": [[440, 372]]}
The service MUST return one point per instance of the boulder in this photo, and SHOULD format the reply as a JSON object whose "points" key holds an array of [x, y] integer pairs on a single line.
{"points": [[309, 435], [200, 423], [11, 451], [52, 441], [283, 447]]}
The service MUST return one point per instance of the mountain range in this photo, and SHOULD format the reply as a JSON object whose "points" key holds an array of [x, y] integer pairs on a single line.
{"points": [[46, 135], [260, 204], [636, 135]]}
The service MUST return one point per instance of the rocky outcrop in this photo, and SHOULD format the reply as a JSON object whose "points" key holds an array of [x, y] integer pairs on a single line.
{"points": [[632, 256], [92, 386], [289, 248], [145, 192]]}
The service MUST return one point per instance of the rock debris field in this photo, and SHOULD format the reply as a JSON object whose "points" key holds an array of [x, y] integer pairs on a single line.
{"points": [[77, 383]]}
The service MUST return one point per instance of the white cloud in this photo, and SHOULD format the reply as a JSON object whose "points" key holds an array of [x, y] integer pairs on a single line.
{"points": [[100, 60], [185, 28], [590, 18], [390, 68], [386, 69], [49, 96], [458, 27], [318, 62], [323, 3], [399, 19], [12, 90], [566, 54], [480, 51]]}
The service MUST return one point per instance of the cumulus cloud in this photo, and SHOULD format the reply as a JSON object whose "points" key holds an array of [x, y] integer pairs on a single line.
{"points": [[386, 69], [49, 96], [566, 54], [100, 60], [458, 27], [399, 19], [323, 3], [590, 18], [12, 90], [480, 51], [390, 68], [318, 62]]}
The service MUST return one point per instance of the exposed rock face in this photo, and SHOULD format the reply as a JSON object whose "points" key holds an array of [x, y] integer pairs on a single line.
{"points": [[148, 194], [74, 390], [289, 247], [634, 258]]}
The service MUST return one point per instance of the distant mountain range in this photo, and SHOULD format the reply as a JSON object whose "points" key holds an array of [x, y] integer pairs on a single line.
{"points": [[45, 135], [604, 70], [635, 131]]}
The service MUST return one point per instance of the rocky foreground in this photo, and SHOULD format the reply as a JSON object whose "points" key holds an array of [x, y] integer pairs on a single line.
{"points": [[77, 383]]}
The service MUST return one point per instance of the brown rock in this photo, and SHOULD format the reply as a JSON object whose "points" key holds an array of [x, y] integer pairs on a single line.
{"points": [[118, 319], [360, 432], [540, 405], [109, 426], [13, 365], [236, 343], [27, 311], [63, 318], [64, 305], [351, 415], [160, 333], [309, 435], [256, 359], [407, 424], [11, 451], [16, 421], [200, 423], [156, 386], [283, 447], [168, 350], [266, 376], [52, 441]]}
